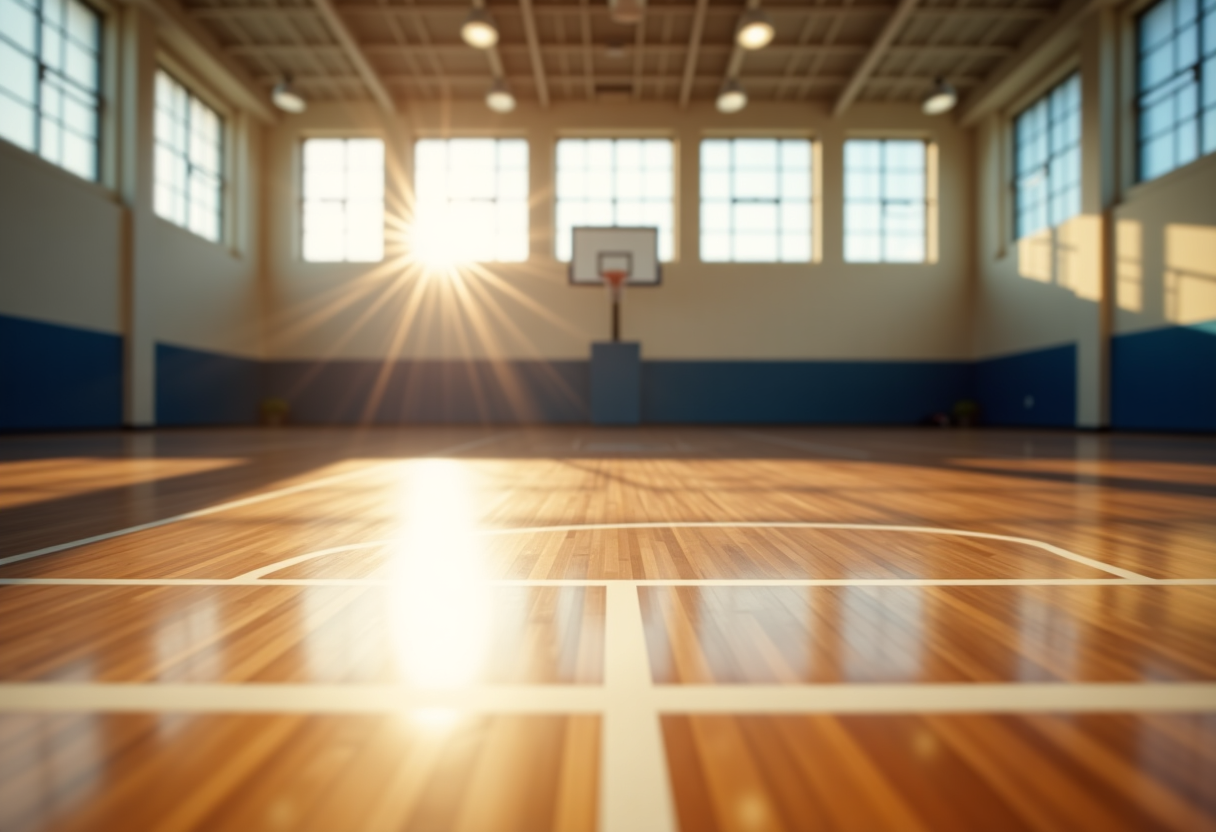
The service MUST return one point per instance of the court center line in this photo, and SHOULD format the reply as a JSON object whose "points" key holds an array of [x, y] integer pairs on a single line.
{"points": [[635, 791], [539, 582], [1008, 697], [1126, 574], [246, 501]]}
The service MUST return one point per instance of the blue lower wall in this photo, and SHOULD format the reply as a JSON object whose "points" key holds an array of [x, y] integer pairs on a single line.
{"points": [[1164, 379], [1036, 388], [754, 392], [55, 377], [194, 387], [346, 392]]}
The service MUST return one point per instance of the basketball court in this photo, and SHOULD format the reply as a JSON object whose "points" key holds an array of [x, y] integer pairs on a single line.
{"points": [[614, 415], [583, 629]]}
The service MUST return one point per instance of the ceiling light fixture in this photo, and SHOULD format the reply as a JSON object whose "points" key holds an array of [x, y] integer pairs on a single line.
{"points": [[627, 12], [499, 98], [755, 30], [731, 98], [286, 98], [478, 30], [941, 100]]}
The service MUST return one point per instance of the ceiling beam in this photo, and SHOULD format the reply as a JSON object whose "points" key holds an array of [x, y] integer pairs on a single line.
{"points": [[585, 50], [613, 80], [554, 10], [694, 46], [350, 47], [538, 65], [895, 23], [388, 50], [1045, 45]]}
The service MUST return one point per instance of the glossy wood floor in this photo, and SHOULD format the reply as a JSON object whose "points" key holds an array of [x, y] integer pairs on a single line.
{"points": [[569, 628]]}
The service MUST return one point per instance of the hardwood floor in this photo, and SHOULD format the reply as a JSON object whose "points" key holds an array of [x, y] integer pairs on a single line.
{"points": [[571, 628]]}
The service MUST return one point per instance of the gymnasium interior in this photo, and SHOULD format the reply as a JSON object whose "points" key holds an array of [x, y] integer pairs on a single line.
{"points": [[621, 415]]}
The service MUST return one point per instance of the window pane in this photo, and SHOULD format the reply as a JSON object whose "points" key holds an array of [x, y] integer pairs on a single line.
{"points": [[1047, 149], [885, 200], [605, 182], [1177, 87], [755, 200], [471, 199]]}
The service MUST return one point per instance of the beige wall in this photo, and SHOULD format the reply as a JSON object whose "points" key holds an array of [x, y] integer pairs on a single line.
{"points": [[59, 245], [1165, 251], [826, 310]]}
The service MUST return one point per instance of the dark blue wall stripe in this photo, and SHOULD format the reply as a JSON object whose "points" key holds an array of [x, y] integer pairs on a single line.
{"points": [[194, 387], [1048, 377], [753, 392], [345, 392], [1164, 379], [55, 377]]}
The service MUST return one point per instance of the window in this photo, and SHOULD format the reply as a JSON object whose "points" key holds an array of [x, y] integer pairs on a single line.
{"points": [[1047, 150], [885, 204], [471, 200], [189, 159], [1176, 85], [625, 182], [50, 74], [756, 200], [343, 210]]}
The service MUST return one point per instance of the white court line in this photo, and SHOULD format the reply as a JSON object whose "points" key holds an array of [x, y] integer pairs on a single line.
{"points": [[635, 793], [741, 524], [1110, 697], [247, 501], [526, 582]]}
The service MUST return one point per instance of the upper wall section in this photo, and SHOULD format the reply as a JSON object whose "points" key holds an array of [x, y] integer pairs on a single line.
{"points": [[823, 310], [60, 245], [1165, 243]]}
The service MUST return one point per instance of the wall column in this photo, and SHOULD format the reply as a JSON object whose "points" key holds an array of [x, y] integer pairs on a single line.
{"points": [[137, 143], [1099, 190]]}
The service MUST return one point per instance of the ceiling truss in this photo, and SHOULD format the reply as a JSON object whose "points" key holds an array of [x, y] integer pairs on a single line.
{"points": [[396, 51]]}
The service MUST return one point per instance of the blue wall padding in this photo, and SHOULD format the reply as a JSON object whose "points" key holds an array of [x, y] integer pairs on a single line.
{"points": [[1048, 377], [792, 392], [616, 383], [194, 387], [1164, 379], [346, 392], [54, 377]]}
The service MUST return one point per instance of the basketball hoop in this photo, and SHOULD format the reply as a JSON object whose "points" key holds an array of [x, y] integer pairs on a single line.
{"points": [[614, 278]]}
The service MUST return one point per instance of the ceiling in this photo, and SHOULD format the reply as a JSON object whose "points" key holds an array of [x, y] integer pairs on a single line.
{"points": [[571, 50]]}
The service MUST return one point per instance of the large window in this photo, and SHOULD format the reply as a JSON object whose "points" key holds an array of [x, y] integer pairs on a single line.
{"points": [[623, 182], [50, 74], [885, 201], [756, 200], [1176, 84], [1047, 153], [471, 200], [189, 159], [343, 206]]}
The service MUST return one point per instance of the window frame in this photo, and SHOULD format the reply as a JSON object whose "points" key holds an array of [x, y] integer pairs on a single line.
{"points": [[101, 66], [1044, 96], [1136, 17], [929, 199], [495, 137], [224, 134], [302, 198], [617, 136], [812, 204]]}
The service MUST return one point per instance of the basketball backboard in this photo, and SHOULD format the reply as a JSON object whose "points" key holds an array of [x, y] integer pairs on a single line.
{"points": [[600, 251]]}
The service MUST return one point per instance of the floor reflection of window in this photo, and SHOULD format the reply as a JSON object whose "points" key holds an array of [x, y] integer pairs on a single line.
{"points": [[883, 635]]}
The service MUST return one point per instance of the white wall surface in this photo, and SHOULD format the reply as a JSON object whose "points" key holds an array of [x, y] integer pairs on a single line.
{"points": [[826, 310], [59, 245]]}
